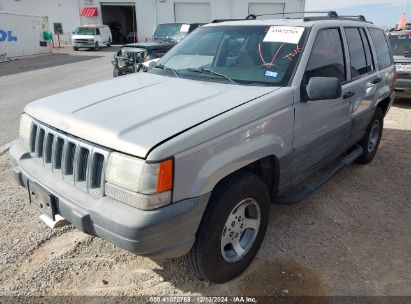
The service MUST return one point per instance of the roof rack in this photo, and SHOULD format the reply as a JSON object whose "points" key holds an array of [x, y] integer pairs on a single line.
{"points": [[224, 20], [330, 15]]}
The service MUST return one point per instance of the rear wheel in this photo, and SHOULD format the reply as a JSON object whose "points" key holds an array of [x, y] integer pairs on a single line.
{"points": [[372, 137], [232, 228]]}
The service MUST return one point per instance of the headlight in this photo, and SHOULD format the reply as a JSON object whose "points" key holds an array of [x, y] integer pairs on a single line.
{"points": [[137, 183], [26, 123]]}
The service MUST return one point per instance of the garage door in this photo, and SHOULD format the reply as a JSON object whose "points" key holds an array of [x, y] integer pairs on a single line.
{"points": [[266, 8], [192, 12]]}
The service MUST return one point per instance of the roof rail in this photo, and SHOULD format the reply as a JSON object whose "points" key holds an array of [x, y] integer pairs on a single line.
{"points": [[328, 16], [224, 20]]}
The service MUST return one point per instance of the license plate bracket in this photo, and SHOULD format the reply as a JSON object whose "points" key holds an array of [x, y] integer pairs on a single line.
{"points": [[42, 200]]}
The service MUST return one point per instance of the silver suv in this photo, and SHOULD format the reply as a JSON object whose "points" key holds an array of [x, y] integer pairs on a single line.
{"points": [[186, 159]]}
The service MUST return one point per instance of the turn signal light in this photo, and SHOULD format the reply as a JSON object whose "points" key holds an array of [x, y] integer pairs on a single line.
{"points": [[165, 176]]}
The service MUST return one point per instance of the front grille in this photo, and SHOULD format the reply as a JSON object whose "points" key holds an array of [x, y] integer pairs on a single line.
{"points": [[82, 40], [76, 161], [137, 57]]}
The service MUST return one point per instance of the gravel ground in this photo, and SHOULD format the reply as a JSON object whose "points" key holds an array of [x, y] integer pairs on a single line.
{"points": [[352, 238]]}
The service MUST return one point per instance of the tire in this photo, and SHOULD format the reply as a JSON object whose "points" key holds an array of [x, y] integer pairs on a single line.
{"points": [[209, 258], [75, 48], [116, 73], [96, 47], [109, 43], [372, 137]]}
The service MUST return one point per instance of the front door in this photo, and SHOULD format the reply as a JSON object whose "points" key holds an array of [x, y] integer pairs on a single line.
{"points": [[322, 127]]}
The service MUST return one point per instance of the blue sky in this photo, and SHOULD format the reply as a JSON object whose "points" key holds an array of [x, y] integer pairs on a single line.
{"points": [[382, 12]]}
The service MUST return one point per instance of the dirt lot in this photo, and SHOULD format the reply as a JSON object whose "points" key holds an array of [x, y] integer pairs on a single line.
{"points": [[352, 237]]}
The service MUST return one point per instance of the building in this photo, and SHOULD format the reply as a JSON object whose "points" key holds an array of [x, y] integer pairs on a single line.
{"points": [[142, 16]]}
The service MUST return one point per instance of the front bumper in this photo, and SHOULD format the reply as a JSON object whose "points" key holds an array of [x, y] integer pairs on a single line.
{"points": [[123, 64], [165, 232]]}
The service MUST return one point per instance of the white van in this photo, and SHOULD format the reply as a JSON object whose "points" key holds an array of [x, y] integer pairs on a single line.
{"points": [[91, 36]]}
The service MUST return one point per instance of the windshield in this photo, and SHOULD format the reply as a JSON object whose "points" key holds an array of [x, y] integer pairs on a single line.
{"points": [[85, 31], [401, 44], [253, 55], [172, 31]]}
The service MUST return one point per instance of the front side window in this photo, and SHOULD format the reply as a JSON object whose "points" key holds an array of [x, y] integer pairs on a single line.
{"points": [[327, 56], [381, 48], [250, 55], [360, 55]]}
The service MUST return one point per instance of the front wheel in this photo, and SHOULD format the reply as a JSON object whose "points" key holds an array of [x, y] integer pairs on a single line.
{"points": [[232, 229], [75, 48], [117, 72], [96, 47], [372, 137]]}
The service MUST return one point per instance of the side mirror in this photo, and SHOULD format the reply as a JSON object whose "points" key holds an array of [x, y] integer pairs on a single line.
{"points": [[151, 64], [320, 88]]}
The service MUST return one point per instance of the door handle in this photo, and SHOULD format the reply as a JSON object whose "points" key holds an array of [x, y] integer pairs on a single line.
{"points": [[376, 80], [348, 95]]}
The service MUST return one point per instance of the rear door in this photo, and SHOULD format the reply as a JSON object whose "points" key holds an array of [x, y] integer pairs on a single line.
{"points": [[364, 80], [322, 127], [385, 62]]}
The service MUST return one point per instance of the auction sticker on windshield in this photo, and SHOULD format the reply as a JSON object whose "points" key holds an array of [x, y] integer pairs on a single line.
{"points": [[401, 67], [285, 34], [185, 28]]}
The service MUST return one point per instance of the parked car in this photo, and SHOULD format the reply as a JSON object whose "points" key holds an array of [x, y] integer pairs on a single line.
{"points": [[401, 47], [91, 36], [187, 158], [130, 58]]}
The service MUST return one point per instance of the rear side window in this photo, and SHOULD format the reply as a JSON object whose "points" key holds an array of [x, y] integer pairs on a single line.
{"points": [[381, 48], [367, 49], [327, 56], [357, 53], [360, 55]]}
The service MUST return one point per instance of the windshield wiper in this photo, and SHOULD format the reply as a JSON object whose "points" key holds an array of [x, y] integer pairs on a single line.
{"points": [[166, 68], [208, 71]]}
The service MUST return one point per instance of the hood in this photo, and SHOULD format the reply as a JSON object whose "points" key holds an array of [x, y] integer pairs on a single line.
{"points": [[134, 113], [127, 49], [82, 37], [152, 44]]}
